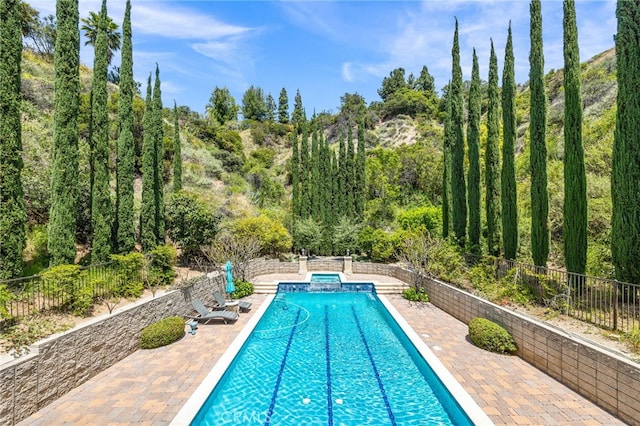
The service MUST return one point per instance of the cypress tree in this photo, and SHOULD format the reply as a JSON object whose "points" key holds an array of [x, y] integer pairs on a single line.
{"points": [[492, 159], [458, 188], [101, 219], [148, 237], [335, 177], [361, 159], [158, 184], [575, 184], [329, 217], [298, 117], [473, 141], [64, 186], [350, 175], [625, 176], [316, 179], [13, 216], [538, 149], [295, 177], [177, 152], [283, 107], [342, 177], [446, 169], [305, 189], [327, 212], [508, 175], [123, 227]]}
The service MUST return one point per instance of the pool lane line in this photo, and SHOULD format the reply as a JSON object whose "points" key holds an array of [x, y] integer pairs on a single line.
{"points": [[282, 365], [328, 357], [375, 368]]}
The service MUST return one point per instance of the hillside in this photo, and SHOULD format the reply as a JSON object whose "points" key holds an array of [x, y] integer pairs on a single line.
{"points": [[242, 169]]}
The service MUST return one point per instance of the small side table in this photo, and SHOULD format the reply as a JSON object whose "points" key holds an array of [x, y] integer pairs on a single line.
{"points": [[232, 306]]}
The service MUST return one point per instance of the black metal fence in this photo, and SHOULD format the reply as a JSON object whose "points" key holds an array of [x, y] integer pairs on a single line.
{"points": [[38, 293], [606, 303]]}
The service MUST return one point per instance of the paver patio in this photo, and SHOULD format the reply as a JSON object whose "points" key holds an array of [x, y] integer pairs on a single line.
{"points": [[150, 386]]}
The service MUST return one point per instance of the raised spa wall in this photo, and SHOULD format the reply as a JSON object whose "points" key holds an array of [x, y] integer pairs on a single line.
{"points": [[62, 362]]}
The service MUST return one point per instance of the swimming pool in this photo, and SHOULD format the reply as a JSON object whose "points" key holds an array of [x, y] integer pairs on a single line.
{"points": [[325, 278], [328, 358]]}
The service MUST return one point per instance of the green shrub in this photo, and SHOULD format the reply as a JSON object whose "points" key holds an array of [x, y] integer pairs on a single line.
{"points": [[490, 336], [191, 223], [243, 289], [415, 295], [161, 262], [129, 274], [71, 284], [162, 333], [5, 298]]}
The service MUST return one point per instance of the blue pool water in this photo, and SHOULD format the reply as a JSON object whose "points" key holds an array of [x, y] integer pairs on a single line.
{"points": [[329, 359], [325, 278]]}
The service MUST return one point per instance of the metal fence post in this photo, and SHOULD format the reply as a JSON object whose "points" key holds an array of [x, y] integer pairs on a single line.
{"points": [[615, 304]]}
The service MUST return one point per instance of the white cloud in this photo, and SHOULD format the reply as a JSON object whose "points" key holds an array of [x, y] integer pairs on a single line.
{"points": [[181, 23], [347, 74]]}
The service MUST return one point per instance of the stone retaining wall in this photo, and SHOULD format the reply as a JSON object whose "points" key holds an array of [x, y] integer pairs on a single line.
{"points": [[270, 266], [608, 380], [62, 362], [333, 265]]}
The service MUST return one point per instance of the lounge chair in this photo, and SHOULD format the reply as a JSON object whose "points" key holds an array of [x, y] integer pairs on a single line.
{"points": [[222, 303], [206, 315]]}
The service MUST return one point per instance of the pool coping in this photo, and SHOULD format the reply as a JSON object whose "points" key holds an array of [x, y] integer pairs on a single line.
{"points": [[462, 397], [190, 409]]}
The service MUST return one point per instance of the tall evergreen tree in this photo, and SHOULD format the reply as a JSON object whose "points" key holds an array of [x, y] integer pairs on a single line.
{"points": [[64, 182], [124, 228], [575, 182], [335, 177], [341, 201], [177, 152], [350, 182], [473, 142], [295, 177], [316, 178], [492, 159], [148, 237], [327, 178], [283, 107], [446, 170], [158, 174], [13, 216], [625, 176], [508, 176], [425, 81], [271, 107], [305, 167], [328, 220], [101, 218], [538, 149], [222, 107], [361, 159], [298, 118], [458, 188]]}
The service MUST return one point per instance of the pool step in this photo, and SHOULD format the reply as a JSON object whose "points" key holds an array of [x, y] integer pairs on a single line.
{"points": [[381, 288]]}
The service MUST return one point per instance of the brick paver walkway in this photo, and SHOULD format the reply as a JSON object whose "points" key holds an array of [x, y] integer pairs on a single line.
{"points": [[150, 386]]}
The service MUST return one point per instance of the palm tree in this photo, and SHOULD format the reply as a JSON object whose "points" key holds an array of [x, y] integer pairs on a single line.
{"points": [[90, 28]]}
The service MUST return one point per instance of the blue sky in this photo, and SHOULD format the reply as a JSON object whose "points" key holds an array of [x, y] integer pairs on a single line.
{"points": [[329, 48]]}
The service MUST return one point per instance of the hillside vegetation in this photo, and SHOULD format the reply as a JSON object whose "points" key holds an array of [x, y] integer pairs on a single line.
{"points": [[242, 169]]}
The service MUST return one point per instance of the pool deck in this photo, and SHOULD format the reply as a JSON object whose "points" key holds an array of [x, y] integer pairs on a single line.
{"points": [[150, 386]]}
